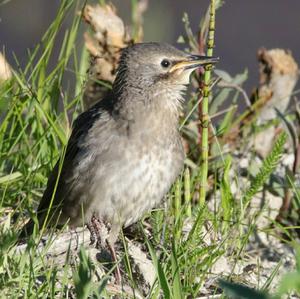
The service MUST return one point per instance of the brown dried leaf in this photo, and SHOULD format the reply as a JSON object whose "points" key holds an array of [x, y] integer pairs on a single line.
{"points": [[5, 70]]}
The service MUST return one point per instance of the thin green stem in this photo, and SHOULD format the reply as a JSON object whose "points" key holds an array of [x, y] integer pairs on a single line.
{"points": [[205, 118], [187, 192], [134, 19]]}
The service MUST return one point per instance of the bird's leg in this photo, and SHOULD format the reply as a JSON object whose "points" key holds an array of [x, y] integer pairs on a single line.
{"points": [[114, 258], [99, 232], [110, 241]]}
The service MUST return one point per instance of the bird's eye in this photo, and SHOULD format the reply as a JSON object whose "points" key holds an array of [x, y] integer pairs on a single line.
{"points": [[165, 63]]}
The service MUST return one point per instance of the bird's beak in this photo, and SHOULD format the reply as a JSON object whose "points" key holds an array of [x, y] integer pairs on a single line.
{"points": [[193, 62]]}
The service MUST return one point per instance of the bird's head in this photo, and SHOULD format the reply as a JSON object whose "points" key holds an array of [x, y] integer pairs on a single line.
{"points": [[145, 65]]}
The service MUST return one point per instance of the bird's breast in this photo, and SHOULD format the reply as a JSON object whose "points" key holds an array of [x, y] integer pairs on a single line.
{"points": [[148, 173], [132, 172], [136, 177]]}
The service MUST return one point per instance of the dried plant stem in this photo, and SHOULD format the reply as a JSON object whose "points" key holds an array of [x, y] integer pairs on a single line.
{"points": [[205, 118]]}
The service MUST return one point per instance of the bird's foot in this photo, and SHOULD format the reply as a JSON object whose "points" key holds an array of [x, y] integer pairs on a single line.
{"points": [[99, 232], [92, 230]]}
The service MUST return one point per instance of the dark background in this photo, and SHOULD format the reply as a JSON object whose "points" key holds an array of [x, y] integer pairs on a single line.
{"points": [[241, 27]]}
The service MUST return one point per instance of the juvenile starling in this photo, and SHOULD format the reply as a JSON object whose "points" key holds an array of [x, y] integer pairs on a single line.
{"points": [[125, 152]]}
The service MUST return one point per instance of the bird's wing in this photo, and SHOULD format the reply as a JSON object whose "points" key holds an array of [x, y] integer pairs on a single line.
{"points": [[63, 170]]}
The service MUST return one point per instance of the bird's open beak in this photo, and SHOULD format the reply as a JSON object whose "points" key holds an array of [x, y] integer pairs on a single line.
{"points": [[193, 62]]}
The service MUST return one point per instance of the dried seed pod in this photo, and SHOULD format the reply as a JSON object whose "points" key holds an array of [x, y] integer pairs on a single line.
{"points": [[279, 73], [107, 37]]}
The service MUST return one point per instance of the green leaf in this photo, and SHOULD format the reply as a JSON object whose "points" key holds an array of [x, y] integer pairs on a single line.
{"points": [[162, 278], [177, 290], [226, 194], [83, 276], [234, 290], [289, 282], [266, 169], [223, 93], [10, 177]]}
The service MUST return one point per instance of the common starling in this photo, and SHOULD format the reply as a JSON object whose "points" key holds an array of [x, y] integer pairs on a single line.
{"points": [[125, 152]]}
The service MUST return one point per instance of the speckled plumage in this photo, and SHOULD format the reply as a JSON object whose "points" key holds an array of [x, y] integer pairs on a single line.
{"points": [[125, 152]]}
